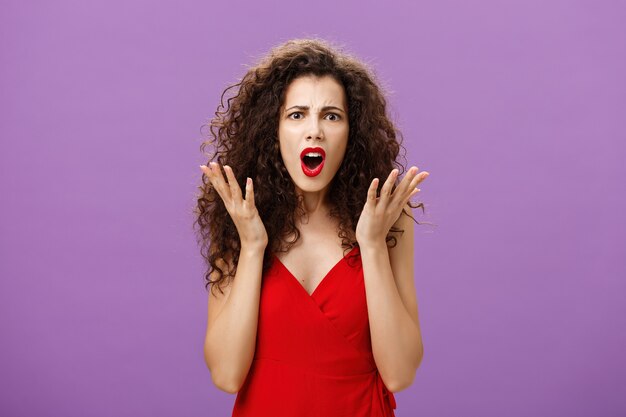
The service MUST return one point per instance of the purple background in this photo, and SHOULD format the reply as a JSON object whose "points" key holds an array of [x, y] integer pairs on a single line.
{"points": [[515, 108]]}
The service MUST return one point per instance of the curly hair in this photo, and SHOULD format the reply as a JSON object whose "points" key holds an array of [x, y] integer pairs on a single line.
{"points": [[245, 134]]}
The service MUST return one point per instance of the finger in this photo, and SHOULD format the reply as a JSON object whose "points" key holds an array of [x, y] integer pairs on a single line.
{"points": [[415, 191], [386, 190], [205, 170], [371, 192], [409, 193], [217, 179], [235, 191], [249, 193], [418, 179], [404, 185]]}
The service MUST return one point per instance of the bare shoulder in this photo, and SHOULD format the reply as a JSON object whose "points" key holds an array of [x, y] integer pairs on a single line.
{"points": [[402, 262]]}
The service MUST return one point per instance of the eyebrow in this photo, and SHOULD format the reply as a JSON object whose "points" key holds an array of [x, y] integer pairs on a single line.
{"points": [[307, 108]]}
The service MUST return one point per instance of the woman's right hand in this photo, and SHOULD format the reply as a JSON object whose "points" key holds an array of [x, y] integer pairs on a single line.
{"points": [[247, 220]]}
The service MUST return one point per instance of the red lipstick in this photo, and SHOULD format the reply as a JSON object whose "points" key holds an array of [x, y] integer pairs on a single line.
{"points": [[314, 163]]}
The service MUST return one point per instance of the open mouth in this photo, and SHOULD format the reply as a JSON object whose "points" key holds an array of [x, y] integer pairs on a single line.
{"points": [[312, 161]]}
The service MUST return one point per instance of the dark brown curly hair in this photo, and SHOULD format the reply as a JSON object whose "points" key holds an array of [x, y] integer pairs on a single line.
{"points": [[245, 135]]}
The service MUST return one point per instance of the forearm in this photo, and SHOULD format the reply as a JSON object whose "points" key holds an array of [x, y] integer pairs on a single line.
{"points": [[230, 341], [396, 340]]}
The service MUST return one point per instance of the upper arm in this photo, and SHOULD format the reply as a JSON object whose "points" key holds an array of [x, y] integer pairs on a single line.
{"points": [[402, 264], [216, 298], [216, 303]]}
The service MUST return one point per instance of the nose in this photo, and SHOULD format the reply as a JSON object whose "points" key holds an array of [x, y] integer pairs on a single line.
{"points": [[314, 129]]}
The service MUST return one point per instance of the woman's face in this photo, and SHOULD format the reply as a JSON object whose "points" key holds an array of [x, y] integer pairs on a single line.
{"points": [[313, 120]]}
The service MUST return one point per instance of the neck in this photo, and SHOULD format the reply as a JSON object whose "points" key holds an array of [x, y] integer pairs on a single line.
{"points": [[314, 203]]}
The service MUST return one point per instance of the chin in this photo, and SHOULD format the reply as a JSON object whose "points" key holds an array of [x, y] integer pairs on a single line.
{"points": [[312, 185], [310, 188]]}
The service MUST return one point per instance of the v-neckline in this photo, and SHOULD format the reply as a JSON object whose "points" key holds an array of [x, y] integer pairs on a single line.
{"points": [[297, 281]]}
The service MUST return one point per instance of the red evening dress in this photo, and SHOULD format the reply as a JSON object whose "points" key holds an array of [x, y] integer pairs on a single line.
{"points": [[313, 354]]}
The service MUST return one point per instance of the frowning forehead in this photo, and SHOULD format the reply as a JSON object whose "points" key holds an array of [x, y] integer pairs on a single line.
{"points": [[306, 108], [316, 94]]}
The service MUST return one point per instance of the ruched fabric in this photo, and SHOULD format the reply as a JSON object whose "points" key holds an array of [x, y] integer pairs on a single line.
{"points": [[313, 354]]}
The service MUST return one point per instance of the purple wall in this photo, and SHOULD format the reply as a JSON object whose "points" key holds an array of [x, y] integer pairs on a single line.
{"points": [[515, 108]]}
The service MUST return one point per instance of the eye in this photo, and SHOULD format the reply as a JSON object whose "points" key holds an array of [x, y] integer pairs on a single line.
{"points": [[335, 115], [296, 112]]}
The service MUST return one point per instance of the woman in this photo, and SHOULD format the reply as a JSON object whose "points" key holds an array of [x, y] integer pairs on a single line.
{"points": [[298, 328]]}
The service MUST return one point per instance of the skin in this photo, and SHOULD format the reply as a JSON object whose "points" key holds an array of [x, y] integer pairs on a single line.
{"points": [[314, 114], [388, 273]]}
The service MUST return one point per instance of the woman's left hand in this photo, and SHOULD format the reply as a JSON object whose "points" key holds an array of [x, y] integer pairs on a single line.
{"points": [[379, 214]]}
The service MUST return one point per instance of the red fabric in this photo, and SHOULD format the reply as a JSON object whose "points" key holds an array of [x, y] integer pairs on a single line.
{"points": [[313, 352]]}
